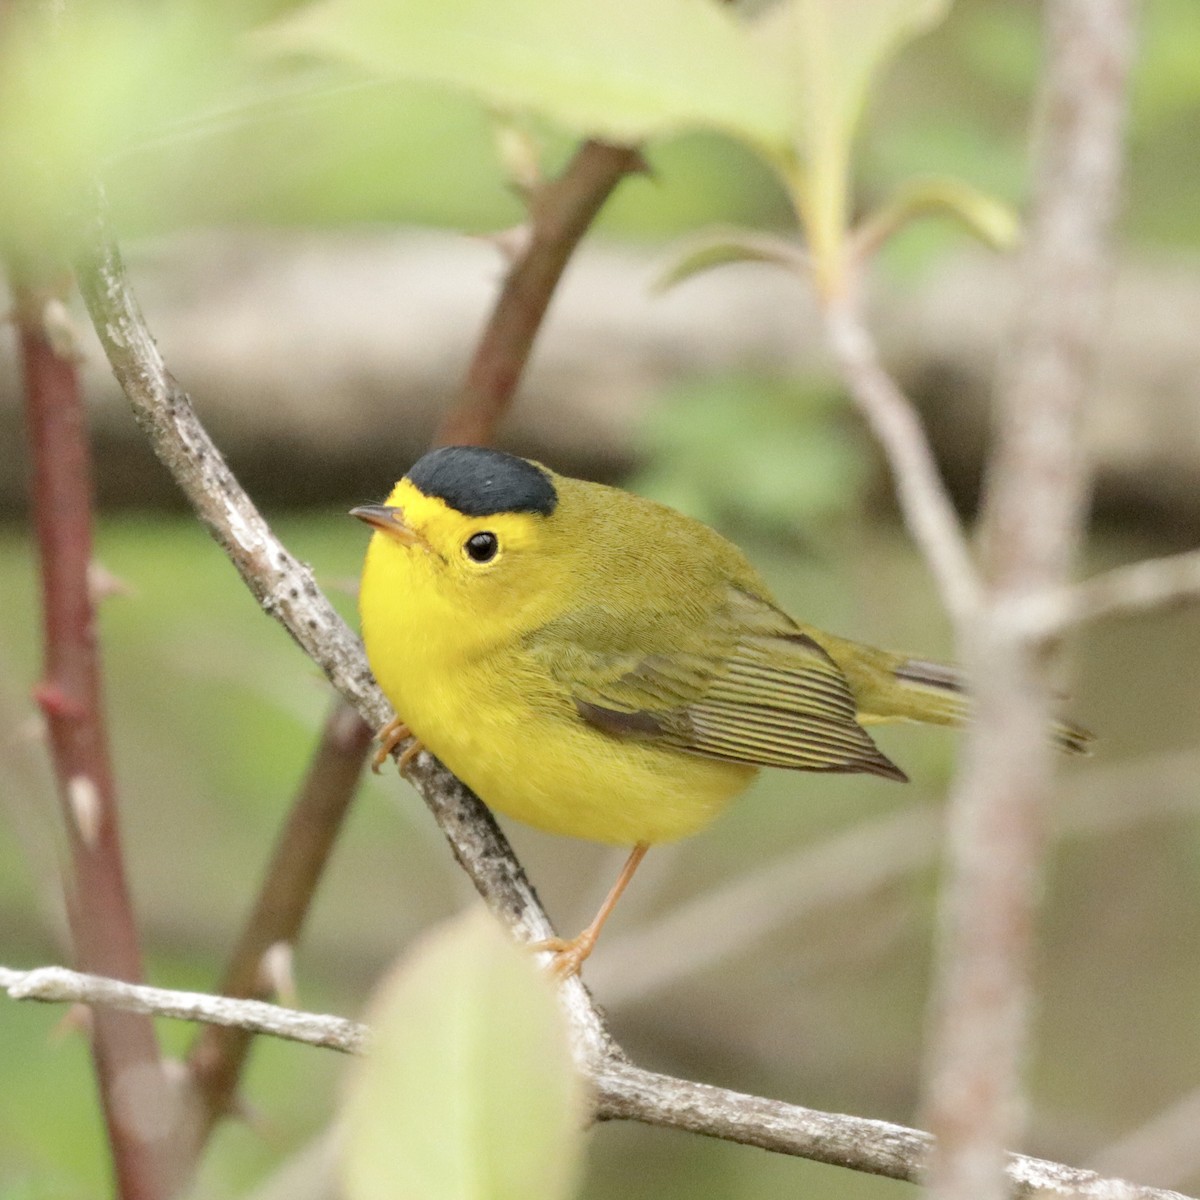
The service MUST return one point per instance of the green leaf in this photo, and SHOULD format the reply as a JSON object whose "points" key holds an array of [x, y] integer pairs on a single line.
{"points": [[832, 51], [77, 94], [722, 247], [328, 150], [990, 220], [469, 1091], [623, 69]]}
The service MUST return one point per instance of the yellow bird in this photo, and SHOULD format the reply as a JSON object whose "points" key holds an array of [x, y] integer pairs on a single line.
{"points": [[598, 665]]}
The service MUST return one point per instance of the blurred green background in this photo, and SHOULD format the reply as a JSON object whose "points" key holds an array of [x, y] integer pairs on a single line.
{"points": [[214, 712]]}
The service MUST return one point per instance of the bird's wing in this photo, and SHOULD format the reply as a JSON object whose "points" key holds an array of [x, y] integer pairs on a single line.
{"points": [[748, 687]]}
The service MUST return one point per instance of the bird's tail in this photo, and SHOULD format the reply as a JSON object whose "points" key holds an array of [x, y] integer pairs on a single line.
{"points": [[895, 687], [939, 697]]}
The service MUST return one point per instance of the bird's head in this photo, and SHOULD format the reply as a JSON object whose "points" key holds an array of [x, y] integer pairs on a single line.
{"points": [[470, 524]]}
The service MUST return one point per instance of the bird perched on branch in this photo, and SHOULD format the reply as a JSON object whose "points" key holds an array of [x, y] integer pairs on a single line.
{"points": [[602, 666]]}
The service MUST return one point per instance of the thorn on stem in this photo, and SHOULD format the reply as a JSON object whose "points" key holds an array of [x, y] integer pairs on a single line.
{"points": [[641, 166], [84, 798], [144, 1104], [512, 243], [276, 974], [61, 332], [54, 702], [103, 584]]}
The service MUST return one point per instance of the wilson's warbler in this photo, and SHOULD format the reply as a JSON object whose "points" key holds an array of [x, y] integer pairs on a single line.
{"points": [[602, 666]]}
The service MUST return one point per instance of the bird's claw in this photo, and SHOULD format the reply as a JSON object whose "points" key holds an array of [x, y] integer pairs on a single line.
{"points": [[389, 737], [569, 955]]}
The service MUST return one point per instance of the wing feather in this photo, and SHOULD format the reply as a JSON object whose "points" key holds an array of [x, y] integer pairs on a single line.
{"points": [[750, 687]]}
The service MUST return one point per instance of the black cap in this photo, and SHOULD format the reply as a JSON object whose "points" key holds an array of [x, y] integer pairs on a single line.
{"points": [[479, 482]]}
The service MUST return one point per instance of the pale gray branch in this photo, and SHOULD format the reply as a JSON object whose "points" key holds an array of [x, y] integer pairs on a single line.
{"points": [[622, 1090], [58, 985], [875, 1147], [924, 501], [1033, 519], [1123, 591]]}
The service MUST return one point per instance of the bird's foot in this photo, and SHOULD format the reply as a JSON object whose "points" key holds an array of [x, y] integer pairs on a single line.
{"points": [[569, 955], [389, 737]]}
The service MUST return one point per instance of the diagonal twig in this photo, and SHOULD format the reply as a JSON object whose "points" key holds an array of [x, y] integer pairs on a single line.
{"points": [[559, 215], [925, 503], [1122, 591]]}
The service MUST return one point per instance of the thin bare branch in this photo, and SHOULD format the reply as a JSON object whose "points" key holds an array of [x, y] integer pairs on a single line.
{"points": [[57, 985], [301, 853], [100, 912], [623, 1091], [559, 214], [1038, 485], [1123, 591], [924, 501], [874, 1147]]}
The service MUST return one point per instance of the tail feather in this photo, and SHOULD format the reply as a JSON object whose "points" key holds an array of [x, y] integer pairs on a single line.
{"points": [[945, 701], [896, 687]]}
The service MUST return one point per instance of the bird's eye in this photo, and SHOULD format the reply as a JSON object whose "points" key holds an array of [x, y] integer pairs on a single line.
{"points": [[482, 547]]}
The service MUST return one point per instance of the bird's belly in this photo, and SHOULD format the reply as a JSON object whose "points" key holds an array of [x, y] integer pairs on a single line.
{"points": [[529, 756]]}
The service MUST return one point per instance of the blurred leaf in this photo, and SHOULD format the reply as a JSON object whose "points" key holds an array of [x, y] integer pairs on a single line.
{"points": [[469, 1091], [626, 70], [722, 247], [832, 51], [990, 220], [329, 147], [76, 94]]}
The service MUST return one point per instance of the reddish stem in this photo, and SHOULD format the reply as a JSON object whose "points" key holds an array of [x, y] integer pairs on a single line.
{"points": [[105, 936], [559, 215]]}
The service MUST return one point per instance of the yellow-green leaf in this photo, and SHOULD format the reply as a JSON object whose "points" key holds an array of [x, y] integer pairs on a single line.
{"points": [[468, 1091], [990, 220], [621, 69], [79, 93], [722, 247], [832, 52]]}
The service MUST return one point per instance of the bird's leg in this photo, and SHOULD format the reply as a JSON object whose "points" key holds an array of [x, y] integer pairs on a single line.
{"points": [[389, 737], [569, 955]]}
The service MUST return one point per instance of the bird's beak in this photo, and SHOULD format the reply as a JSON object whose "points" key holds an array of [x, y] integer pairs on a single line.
{"points": [[387, 520]]}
